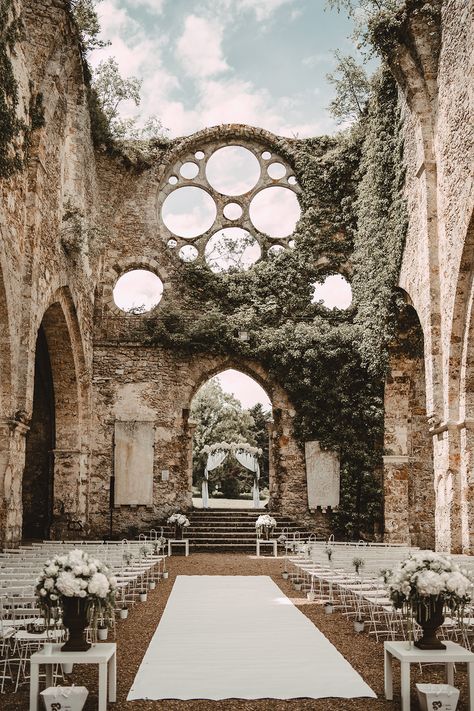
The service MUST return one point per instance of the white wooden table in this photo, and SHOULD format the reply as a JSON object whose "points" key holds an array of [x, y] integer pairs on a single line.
{"points": [[272, 542], [102, 654], [179, 540], [453, 654]]}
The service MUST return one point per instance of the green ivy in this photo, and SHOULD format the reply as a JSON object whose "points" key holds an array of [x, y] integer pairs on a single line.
{"points": [[11, 127]]}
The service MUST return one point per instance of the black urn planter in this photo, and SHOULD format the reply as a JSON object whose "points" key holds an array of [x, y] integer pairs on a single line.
{"points": [[178, 532], [75, 619], [429, 615]]}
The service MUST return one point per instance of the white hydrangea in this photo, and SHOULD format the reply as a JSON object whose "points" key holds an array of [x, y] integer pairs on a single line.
{"points": [[68, 584], [98, 585], [265, 521]]}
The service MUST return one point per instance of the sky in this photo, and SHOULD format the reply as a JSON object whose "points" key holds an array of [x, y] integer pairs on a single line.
{"points": [[208, 62]]}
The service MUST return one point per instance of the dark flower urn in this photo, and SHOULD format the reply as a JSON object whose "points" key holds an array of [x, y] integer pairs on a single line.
{"points": [[266, 533], [178, 532], [429, 616], [75, 620]]}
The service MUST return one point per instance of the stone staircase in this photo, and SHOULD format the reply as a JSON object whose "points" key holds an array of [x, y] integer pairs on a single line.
{"points": [[230, 530]]}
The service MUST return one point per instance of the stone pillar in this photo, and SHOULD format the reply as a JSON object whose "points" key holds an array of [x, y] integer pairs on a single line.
{"points": [[273, 488], [69, 493], [466, 437], [396, 498], [189, 435], [449, 488], [12, 462]]}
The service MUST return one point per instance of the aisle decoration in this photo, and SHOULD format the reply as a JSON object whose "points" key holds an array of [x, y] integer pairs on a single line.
{"points": [[179, 521], [358, 563], [83, 588], [245, 454], [424, 586], [265, 526]]}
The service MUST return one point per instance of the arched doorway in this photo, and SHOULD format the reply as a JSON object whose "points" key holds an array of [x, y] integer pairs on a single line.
{"points": [[230, 407], [52, 473], [408, 463]]}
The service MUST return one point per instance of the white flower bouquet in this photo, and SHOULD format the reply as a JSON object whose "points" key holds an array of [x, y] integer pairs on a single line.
{"points": [[425, 585], [76, 575], [178, 519], [265, 524]]}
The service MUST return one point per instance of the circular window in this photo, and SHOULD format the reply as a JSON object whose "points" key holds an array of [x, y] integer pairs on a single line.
{"points": [[292, 180], [188, 253], [233, 170], [173, 179], [232, 248], [232, 211], [275, 211], [199, 155], [276, 171], [276, 249], [172, 243], [138, 291], [189, 170], [266, 155], [189, 211], [334, 292]]}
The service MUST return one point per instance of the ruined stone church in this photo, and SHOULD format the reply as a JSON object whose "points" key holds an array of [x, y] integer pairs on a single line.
{"points": [[81, 388]]}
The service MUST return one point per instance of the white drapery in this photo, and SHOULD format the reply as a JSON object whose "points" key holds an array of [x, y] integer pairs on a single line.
{"points": [[245, 458], [214, 460], [250, 461]]}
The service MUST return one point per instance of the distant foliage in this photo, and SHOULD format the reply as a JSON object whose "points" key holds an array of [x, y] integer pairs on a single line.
{"points": [[352, 89]]}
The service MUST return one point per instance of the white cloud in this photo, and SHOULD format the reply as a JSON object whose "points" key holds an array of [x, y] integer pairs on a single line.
{"points": [[154, 6], [263, 8], [200, 47]]}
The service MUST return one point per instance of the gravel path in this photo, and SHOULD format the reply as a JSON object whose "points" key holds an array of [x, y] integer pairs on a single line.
{"points": [[134, 634]]}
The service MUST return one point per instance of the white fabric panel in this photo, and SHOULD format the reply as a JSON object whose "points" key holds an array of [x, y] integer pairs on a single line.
{"points": [[250, 461], [133, 463], [224, 637], [214, 460]]}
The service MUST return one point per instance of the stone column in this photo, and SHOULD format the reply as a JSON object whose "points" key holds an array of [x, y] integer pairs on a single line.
{"points": [[449, 489], [466, 437], [396, 498], [12, 463], [273, 488], [69, 493], [189, 431]]}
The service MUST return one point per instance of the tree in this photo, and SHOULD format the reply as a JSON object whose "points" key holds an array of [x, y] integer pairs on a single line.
{"points": [[261, 418], [85, 14], [352, 89], [221, 418], [111, 90]]}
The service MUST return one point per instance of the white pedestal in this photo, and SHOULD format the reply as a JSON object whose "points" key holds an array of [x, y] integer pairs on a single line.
{"points": [[182, 541], [104, 655], [272, 542], [453, 654]]}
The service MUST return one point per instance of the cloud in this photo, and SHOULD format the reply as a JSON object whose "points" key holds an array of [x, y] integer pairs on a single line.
{"points": [[263, 9], [200, 47], [153, 6]]}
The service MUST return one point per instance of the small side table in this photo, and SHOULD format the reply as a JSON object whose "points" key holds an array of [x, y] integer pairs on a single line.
{"points": [[102, 654], [272, 542], [453, 654], [179, 540]]}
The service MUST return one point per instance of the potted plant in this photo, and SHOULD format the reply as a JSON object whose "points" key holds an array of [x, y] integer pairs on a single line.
{"points": [[426, 584], [179, 521], [123, 612], [329, 551], [265, 526], [311, 595], [142, 595], [298, 583], [85, 590], [358, 563], [102, 630], [151, 585], [329, 607], [359, 625]]}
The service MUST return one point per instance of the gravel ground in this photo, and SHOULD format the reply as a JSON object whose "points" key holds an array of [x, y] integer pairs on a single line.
{"points": [[134, 635]]}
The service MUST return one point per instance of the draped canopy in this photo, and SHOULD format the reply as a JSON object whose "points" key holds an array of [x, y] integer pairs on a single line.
{"points": [[246, 455]]}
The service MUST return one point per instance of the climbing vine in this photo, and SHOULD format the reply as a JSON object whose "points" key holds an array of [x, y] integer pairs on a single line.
{"points": [[11, 126], [331, 363]]}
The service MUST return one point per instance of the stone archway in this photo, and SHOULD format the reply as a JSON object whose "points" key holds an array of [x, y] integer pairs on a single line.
{"points": [[409, 501], [214, 412], [54, 494]]}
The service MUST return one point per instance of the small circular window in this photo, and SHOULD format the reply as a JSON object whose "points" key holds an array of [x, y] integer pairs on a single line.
{"points": [[334, 292], [138, 291]]}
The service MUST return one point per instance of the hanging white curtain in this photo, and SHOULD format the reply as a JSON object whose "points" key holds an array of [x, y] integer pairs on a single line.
{"points": [[214, 460], [250, 461]]}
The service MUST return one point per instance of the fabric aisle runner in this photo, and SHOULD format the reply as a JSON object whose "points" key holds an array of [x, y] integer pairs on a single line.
{"points": [[226, 637]]}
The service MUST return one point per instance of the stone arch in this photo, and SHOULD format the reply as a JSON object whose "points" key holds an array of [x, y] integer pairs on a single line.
{"points": [[55, 460], [408, 470]]}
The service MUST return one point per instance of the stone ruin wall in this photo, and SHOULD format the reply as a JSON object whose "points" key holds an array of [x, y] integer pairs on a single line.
{"points": [[436, 272], [37, 273]]}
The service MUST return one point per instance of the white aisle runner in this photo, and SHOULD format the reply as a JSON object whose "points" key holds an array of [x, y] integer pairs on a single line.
{"points": [[226, 637]]}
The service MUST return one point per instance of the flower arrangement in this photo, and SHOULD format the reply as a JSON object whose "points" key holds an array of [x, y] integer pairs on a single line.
{"points": [[358, 563], [265, 521], [231, 446], [329, 551], [424, 585], [178, 519], [76, 575], [146, 550]]}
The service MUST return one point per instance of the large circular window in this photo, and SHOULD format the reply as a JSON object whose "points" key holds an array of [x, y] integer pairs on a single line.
{"points": [[228, 205], [138, 291]]}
